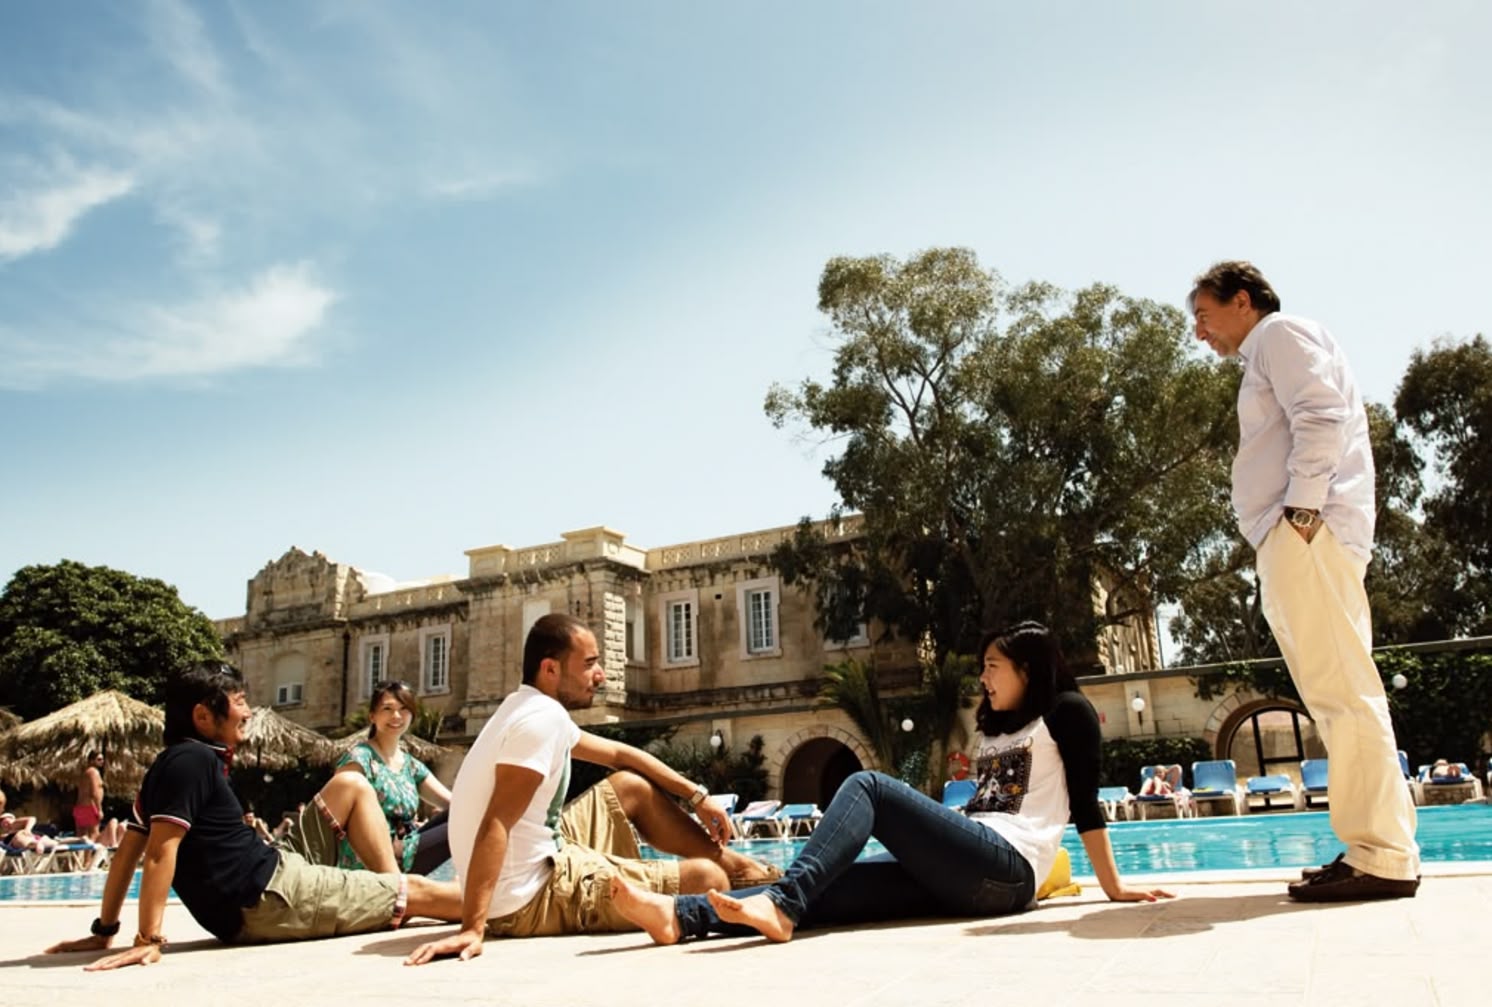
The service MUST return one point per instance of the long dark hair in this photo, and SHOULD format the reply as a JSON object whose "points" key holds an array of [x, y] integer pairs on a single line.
{"points": [[401, 692], [1033, 649]]}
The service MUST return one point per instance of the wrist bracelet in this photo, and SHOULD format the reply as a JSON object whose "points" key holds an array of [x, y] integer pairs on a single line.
{"points": [[102, 929], [141, 940]]}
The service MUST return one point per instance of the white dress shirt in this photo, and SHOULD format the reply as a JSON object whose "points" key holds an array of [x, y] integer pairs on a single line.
{"points": [[1302, 434]]}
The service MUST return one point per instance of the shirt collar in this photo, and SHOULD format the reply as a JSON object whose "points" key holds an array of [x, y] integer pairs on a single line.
{"points": [[1245, 348], [224, 753]]}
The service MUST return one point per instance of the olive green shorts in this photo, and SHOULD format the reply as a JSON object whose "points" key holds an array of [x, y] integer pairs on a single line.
{"points": [[599, 845], [304, 901]]}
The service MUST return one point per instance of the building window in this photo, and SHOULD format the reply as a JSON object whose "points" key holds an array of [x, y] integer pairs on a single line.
{"points": [[757, 603], [435, 659], [679, 614], [761, 633], [288, 694], [680, 631], [375, 662], [533, 610], [637, 644]]}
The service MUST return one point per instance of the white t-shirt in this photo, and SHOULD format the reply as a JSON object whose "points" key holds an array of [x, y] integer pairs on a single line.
{"points": [[1022, 793], [531, 730]]}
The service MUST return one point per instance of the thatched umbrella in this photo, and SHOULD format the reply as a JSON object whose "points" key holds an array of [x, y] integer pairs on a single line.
{"points": [[275, 743], [8, 720], [53, 748]]}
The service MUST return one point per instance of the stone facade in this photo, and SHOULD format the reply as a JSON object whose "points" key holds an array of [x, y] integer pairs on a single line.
{"points": [[703, 636]]}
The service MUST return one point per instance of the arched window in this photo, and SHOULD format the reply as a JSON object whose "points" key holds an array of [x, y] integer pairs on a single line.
{"points": [[1270, 740]]}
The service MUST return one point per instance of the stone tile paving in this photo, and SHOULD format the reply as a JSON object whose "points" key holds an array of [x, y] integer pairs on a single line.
{"points": [[1217, 945]]}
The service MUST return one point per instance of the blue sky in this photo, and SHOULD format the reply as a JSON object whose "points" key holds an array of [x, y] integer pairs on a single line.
{"points": [[396, 280]]}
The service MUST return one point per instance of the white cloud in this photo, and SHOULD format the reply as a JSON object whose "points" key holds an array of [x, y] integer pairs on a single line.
{"points": [[41, 219], [178, 33], [474, 187], [272, 322]]}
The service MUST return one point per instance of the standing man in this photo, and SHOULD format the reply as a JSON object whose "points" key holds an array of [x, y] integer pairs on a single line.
{"points": [[526, 869], [88, 807], [1303, 493]]}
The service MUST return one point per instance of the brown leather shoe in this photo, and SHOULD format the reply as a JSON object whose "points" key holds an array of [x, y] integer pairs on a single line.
{"points": [[1311, 872], [1340, 882]]}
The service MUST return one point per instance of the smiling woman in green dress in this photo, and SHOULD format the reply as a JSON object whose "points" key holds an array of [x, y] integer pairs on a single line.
{"points": [[400, 781]]}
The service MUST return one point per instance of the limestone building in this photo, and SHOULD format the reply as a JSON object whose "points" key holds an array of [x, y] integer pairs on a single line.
{"points": [[703, 635]]}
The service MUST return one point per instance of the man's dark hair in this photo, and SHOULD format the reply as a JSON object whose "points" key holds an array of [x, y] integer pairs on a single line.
{"points": [[210, 683], [551, 636], [1033, 649], [1224, 280]]}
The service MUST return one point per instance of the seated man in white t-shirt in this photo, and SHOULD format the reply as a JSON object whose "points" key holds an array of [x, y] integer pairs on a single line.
{"points": [[529, 870]]}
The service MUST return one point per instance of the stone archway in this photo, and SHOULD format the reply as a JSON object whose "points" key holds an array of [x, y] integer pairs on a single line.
{"points": [[779, 759], [1265, 736], [814, 772]]}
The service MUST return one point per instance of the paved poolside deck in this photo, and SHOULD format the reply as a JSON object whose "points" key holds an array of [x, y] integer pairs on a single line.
{"points": [[1217, 944]]}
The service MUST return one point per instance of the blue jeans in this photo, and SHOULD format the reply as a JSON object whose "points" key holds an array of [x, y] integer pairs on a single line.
{"points": [[938, 863]]}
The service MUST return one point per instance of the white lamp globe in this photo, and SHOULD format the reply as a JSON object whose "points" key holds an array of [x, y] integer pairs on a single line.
{"points": [[1137, 704]]}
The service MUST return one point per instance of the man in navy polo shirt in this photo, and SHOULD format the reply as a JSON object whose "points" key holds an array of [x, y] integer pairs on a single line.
{"points": [[188, 828]]}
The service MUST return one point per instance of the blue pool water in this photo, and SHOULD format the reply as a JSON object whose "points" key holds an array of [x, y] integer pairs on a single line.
{"points": [[1446, 834]]}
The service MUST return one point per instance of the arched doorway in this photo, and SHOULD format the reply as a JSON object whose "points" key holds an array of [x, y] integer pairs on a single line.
{"points": [[815, 771], [1270, 739]]}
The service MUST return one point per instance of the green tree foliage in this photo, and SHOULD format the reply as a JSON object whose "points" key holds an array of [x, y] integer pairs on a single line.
{"points": [[1006, 448], [69, 630], [1445, 399]]}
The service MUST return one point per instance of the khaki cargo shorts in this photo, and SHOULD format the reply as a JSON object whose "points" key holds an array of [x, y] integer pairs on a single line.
{"points": [[599, 844], [304, 901]]}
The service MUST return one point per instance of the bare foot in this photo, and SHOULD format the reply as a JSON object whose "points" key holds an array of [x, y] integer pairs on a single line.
{"points": [[755, 911], [744, 872], [650, 911]]}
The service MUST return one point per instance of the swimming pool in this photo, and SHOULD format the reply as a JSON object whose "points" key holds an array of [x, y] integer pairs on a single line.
{"points": [[1446, 834]]}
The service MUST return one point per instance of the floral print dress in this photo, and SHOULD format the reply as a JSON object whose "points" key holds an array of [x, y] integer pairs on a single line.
{"points": [[398, 793]]}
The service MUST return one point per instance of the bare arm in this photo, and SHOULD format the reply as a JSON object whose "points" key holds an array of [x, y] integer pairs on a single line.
{"points": [[1101, 855], [615, 754], [155, 886], [435, 792], [121, 870], [512, 791], [95, 788]]}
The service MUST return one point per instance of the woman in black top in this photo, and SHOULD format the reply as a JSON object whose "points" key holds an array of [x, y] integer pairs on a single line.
{"points": [[1040, 766]]}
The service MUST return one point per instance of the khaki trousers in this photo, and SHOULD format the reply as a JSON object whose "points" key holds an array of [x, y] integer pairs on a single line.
{"points": [[1315, 603]]}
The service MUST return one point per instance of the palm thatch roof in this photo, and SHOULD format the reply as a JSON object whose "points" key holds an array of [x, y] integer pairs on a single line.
{"points": [[426, 751], [52, 749], [8, 719], [275, 743]]}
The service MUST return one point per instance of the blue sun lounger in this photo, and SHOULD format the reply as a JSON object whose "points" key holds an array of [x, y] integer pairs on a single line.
{"points": [[1313, 782]]}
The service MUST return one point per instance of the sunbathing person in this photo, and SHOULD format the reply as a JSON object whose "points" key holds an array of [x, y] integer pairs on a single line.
{"points": [[188, 827], [1036, 762], [1161, 782], [1444, 770], [16, 834]]}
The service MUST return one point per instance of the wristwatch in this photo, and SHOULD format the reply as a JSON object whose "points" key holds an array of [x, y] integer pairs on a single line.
{"points": [[1301, 518], [696, 798]]}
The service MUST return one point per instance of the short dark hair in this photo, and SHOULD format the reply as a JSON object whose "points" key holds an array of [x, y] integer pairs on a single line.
{"points": [[550, 637], [1225, 279], [207, 682], [1033, 649], [401, 693]]}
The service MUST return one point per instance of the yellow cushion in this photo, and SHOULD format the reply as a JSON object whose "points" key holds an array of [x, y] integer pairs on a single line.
{"points": [[1059, 881]]}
